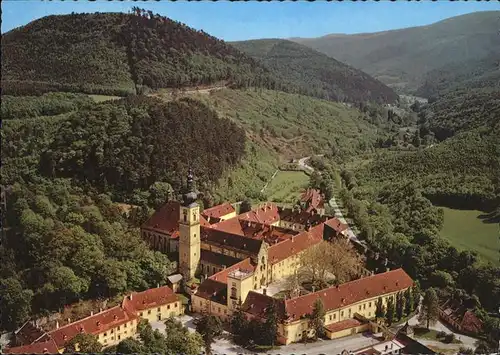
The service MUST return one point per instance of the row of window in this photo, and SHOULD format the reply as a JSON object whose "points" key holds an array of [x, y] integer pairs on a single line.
{"points": [[158, 310]]}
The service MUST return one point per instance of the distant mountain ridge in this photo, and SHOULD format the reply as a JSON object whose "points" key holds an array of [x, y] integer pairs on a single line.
{"points": [[315, 73], [406, 58]]}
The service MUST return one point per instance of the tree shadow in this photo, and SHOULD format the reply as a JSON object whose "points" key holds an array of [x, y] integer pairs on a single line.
{"points": [[490, 217]]}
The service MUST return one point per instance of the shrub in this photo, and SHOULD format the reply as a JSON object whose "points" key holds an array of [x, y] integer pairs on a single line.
{"points": [[449, 338], [440, 334]]}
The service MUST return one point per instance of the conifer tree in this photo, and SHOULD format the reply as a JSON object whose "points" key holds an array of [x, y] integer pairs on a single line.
{"points": [[380, 310], [390, 311], [400, 305], [408, 301], [429, 311], [317, 321]]}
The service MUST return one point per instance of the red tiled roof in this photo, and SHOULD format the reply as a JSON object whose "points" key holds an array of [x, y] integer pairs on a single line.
{"points": [[218, 259], [336, 225], [266, 214], [95, 324], [350, 292], [313, 198], [301, 216], [343, 325], [471, 323], [218, 211], [280, 251], [231, 225], [154, 297], [245, 265], [165, 219], [47, 347], [213, 290], [256, 304]]}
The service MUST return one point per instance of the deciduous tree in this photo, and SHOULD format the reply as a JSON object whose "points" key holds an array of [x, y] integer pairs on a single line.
{"points": [[210, 327], [83, 343]]}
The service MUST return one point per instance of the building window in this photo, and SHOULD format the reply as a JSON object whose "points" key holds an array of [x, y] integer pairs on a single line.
{"points": [[369, 304], [233, 292], [369, 314], [105, 334], [119, 337], [168, 307], [364, 306], [105, 341], [125, 325], [112, 331], [149, 312], [175, 304], [219, 309], [330, 317], [335, 316], [119, 327], [342, 313], [158, 309], [359, 308]]}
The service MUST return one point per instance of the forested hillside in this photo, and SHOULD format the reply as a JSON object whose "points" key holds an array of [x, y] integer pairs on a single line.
{"points": [[124, 145], [130, 52], [315, 73], [409, 57]]}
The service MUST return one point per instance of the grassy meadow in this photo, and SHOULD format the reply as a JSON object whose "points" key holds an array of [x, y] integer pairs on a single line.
{"points": [[466, 230], [287, 186]]}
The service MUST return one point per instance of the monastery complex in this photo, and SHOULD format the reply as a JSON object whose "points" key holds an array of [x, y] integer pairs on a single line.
{"points": [[237, 256], [228, 260]]}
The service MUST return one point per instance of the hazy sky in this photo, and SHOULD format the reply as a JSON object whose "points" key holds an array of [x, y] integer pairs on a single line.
{"points": [[248, 20]]}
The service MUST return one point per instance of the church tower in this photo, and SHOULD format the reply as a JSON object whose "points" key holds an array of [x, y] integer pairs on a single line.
{"points": [[189, 232]]}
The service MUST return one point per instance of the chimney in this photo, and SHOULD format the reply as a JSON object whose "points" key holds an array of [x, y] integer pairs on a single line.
{"points": [[157, 285], [100, 309], [69, 320], [115, 317], [91, 313], [130, 297], [57, 324]]}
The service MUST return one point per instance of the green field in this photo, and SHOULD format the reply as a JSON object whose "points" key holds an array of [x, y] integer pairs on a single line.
{"points": [[101, 98], [287, 186], [465, 230]]}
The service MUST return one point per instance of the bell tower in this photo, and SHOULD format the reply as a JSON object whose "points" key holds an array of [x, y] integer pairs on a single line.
{"points": [[189, 232]]}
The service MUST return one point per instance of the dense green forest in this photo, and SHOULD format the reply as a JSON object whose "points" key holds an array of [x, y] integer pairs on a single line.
{"points": [[460, 111], [315, 73], [65, 239], [123, 145], [62, 244], [130, 52]]}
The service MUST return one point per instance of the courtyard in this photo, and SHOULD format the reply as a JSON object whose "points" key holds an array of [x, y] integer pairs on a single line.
{"points": [[224, 344]]}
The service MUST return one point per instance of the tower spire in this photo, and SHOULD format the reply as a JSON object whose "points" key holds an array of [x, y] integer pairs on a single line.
{"points": [[190, 196]]}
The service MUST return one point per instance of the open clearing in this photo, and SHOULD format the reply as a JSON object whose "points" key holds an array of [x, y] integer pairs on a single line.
{"points": [[101, 98], [287, 186], [466, 230]]}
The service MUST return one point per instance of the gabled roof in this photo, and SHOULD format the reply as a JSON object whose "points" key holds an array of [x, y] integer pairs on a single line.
{"points": [[153, 297], [29, 333], [165, 219], [471, 323], [301, 216], [46, 347], [218, 259], [218, 211], [336, 225], [245, 265], [266, 214], [213, 290], [283, 250], [256, 304], [343, 325], [313, 197], [349, 293], [94, 324], [228, 240]]}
